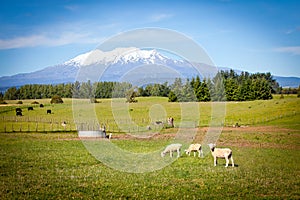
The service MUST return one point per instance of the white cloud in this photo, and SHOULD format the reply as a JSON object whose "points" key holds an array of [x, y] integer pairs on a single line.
{"points": [[294, 50], [290, 31], [160, 17], [72, 7], [79, 32], [46, 40]]}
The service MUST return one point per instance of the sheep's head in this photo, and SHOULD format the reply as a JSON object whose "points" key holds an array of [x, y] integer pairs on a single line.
{"points": [[162, 154], [212, 146]]}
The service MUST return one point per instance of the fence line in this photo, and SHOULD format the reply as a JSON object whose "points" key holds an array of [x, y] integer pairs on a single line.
{"points": [[38, 124]]}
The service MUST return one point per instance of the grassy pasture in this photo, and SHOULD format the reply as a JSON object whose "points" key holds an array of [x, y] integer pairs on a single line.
{"points": [[56, 165], [141, 114]]}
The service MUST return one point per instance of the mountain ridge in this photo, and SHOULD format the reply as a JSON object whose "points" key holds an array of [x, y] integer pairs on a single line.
{"points": [[122, 62]]}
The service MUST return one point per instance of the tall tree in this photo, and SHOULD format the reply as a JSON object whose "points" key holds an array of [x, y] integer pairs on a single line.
{"points": [[11, 94]]}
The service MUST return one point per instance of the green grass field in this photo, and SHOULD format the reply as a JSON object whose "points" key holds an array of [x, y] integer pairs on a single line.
{"points": [[56, 165], [135, 117]]}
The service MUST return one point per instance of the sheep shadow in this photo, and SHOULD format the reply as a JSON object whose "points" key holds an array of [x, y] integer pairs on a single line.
{"points": [[229, 165]]}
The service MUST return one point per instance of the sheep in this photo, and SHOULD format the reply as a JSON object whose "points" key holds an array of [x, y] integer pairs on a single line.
{"points": [[221, 153], [64, 124], [159, 123], [195, 148], [172, 148], [171, 122], [108, 136]]}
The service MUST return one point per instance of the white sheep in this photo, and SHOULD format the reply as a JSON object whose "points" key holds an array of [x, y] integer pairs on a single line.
{"points": [[194, 148], [172, 148], [64, 124], [221, 153]]}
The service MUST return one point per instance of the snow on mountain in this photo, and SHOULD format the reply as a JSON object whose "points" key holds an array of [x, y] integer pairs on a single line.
{"points": [[144, 56], [121, 64], [118, 55]]}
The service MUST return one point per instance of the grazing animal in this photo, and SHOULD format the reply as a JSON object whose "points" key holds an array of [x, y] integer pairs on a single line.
{"points": [[171, 122], [170, 149], [194, 148], [221, 153], [108, 136], [18, 110], [41, 106], [18, 113], [159, 123], [48, 111], [64, 124], [30, 108]]}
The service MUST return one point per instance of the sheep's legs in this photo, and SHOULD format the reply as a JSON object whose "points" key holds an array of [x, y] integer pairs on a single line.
{"points": [[227, 161], [178, 153], [232, 161], [201, 153], [171, 154], [215, 161]]}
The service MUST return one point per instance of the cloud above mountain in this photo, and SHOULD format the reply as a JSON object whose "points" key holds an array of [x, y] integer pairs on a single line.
{"points": [[294, 50]]}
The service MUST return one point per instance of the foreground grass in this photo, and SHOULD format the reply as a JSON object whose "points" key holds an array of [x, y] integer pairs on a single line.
{"points": [[57, 166]]}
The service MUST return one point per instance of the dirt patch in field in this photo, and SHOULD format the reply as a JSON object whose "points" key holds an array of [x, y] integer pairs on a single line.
{"points": [[236, 137], [258, 129]]}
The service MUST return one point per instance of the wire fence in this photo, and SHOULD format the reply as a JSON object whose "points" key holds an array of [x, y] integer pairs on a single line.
{"points": [[11, 124]]}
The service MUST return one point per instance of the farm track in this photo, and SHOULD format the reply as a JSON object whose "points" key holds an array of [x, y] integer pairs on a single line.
{"points": [[223, 141]]}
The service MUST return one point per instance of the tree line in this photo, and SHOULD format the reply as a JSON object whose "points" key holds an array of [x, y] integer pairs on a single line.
{"points": [[224, 86], [68, 90]]}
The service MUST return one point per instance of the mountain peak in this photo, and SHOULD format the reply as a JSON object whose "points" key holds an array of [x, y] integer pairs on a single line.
{"points": [[118, 55], [118, 62], [143, 56]]}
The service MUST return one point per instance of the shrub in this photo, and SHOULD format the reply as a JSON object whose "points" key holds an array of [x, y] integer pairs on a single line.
{"points": [[281, 96], [93, 100], [35, 102], [56, 99], [20, 102], [2, 101], [130, 95]]}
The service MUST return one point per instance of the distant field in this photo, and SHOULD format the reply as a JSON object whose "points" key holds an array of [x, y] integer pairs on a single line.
{"points": [[244, 113], [53, 163]]}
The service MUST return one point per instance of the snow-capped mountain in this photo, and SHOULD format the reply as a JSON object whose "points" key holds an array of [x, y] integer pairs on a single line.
{"points": [[130, 65], [138, 66], [118, 55], [110, 64]]}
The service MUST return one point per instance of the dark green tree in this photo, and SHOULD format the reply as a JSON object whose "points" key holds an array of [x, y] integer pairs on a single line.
{"points": [[203, 93], [187, 93], [172, 97], [131, 94], [231, 89], [218, 88], [11, 94], [56, 99]]}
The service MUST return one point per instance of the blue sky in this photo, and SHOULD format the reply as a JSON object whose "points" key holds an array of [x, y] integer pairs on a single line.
{"points": [[254, 36]]}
